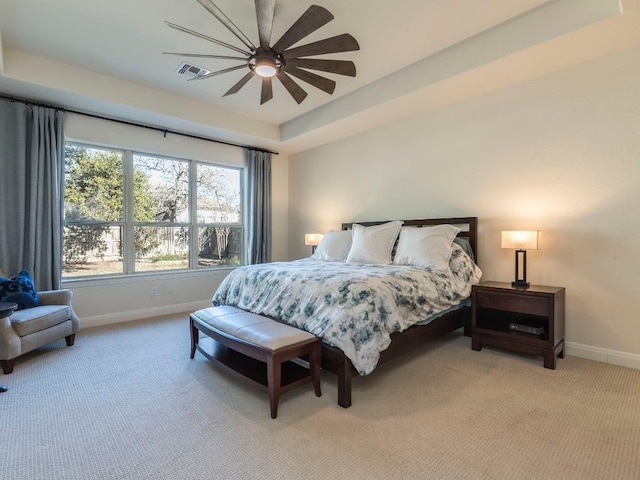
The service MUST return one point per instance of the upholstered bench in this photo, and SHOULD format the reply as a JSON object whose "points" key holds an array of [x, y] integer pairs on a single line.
{"points": [[257, 349]]}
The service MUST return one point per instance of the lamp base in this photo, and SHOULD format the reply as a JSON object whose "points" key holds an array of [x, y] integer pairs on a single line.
{"points": [[520, 284]]}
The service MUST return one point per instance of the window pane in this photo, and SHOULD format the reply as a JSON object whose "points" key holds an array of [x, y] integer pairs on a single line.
{"points": [[161, 190], [161, 248], [218, 194], [93, 184], [218, 246], [104, 219], [92, 250]]}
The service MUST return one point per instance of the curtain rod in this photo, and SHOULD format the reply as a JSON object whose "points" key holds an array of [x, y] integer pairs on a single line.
{"points": [[134, 124]]}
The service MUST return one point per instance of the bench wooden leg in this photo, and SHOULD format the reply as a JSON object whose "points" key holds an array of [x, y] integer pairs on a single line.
{"points": [[274, 368], [314, 366]]}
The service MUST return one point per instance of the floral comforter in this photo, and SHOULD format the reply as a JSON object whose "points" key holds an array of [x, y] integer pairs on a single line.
{"points": [[352, 306]]}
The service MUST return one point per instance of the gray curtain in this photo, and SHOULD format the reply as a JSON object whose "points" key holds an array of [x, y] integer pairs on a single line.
{"points": [[259, 183], [31, 191]]}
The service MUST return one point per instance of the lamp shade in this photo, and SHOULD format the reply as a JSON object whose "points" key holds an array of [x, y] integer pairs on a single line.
{"points": [[520, 240], [313, 239]]}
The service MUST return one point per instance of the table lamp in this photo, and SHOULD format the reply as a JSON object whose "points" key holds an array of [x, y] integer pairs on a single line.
{"points": [[313, 239], [521, 241]]}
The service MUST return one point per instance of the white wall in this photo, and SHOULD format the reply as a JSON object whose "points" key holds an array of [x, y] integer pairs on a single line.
{"points": [[560, 154], [113, 300]]}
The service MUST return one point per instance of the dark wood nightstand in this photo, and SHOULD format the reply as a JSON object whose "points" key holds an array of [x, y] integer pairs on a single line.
{"points": [[527, 320]]}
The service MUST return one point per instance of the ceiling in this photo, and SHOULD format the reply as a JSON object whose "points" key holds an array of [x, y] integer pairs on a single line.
{"points": [[415, 55]]}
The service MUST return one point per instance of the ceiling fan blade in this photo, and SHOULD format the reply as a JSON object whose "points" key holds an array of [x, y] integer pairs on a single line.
{"points": [[204, 37], [265, 9], [311, 20], [218, 72], [221, 57], [292, 87], [341, 67], [324, 84], [267, 90], [243, 81], [213, 9], [337, 44]]}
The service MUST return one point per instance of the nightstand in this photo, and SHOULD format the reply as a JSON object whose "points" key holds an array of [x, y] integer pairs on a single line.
{"points": [[527, 320]]}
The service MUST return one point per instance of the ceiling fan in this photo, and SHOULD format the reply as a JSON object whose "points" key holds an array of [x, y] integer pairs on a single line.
{"points": [[279, 60]]}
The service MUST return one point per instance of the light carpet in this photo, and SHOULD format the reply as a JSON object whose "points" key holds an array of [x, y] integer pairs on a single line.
{"points": [[126, 402]]}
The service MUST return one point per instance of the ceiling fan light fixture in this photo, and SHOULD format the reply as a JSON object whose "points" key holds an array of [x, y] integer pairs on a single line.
{"points": [[266, 68], [264, 63]]}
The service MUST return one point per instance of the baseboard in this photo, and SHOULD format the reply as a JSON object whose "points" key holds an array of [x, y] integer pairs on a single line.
{"points": [[111, 318], [614, 357]]}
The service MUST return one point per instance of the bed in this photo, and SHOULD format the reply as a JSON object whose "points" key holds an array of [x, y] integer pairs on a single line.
{"points": [[365, 314]]}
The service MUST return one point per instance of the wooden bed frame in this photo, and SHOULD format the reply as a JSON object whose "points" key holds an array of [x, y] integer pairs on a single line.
{"points": [[335, 361]]}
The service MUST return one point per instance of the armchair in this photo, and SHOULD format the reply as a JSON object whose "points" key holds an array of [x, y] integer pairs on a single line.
{"points": [[30, 328]]}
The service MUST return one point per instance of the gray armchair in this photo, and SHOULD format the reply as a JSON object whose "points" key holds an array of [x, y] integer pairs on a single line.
{"points": [[30, 328]]}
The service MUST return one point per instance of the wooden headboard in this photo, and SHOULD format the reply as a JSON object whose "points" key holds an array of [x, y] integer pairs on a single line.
{"points": [[468, 227]]}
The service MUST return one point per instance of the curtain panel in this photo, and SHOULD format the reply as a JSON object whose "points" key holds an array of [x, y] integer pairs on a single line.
{"points": [[259, 186], [31, 191]]}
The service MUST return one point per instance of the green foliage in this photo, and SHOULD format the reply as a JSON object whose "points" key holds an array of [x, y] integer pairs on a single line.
{"points": [[169, 191], [78, 239], [167, 257], [94, 191], [144, 208], [94, 181], [94, 198], [235, 260]]}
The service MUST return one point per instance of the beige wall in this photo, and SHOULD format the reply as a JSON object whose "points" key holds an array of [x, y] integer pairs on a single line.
{"points": [[560, 154], [111, 300]]}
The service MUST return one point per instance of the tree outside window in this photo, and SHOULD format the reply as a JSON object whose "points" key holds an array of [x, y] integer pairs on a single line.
{"points": [[149, 223]]}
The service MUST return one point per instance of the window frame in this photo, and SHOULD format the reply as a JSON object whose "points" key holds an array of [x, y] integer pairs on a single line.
{"points": [[128, 224]]}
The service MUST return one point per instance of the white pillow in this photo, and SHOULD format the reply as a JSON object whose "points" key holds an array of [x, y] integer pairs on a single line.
{"points": [[373, 244], [426, 246], [334, 246]]}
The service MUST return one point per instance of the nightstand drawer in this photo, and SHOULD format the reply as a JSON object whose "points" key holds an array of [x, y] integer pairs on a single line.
{"points": [[528, 305]]}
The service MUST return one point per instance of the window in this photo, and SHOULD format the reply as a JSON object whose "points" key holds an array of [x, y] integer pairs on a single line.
{"points": [[166, 214]]}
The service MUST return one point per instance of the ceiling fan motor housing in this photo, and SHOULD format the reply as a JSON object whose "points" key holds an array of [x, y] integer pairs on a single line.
{"points": [[266, 63]]}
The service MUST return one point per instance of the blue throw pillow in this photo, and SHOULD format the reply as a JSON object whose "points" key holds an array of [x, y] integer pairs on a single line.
{"points": [[19, 289]]}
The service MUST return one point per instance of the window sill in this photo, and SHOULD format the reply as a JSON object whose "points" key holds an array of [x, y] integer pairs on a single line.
{"points": [[144, 277]]}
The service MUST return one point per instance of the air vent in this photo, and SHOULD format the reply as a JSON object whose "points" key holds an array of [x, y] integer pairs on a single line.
{"points": [[191, 71]]}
